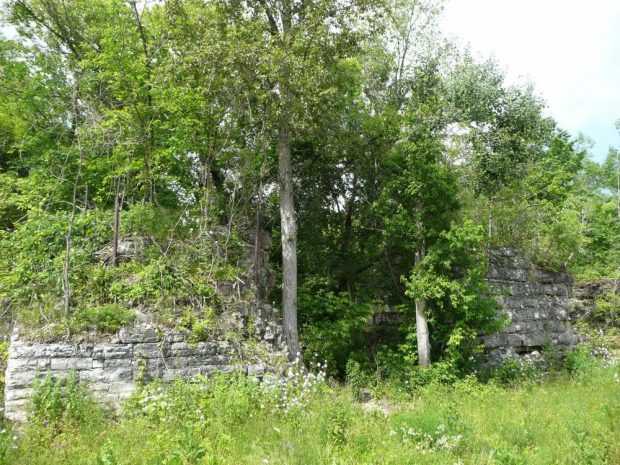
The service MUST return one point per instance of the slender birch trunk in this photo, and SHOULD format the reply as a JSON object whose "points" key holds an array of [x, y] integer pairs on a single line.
{"points": [[421, 324], [115, 228]]}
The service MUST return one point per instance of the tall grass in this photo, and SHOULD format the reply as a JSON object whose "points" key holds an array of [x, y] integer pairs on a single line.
{"points": [[564, 420]]}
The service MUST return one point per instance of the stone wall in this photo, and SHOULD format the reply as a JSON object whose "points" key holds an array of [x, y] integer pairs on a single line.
{"points": [[249, 341], [112, 369], [536, 301]]}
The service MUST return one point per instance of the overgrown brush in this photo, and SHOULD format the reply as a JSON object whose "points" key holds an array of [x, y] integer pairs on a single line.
{"points": [[230, 419]]}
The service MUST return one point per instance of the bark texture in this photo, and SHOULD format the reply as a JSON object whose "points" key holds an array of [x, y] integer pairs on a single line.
{"points": [[289, 240], [421, 324]]}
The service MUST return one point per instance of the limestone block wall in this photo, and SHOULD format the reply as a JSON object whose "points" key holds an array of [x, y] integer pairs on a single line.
{"points": [[112, 369], [536, 301]]}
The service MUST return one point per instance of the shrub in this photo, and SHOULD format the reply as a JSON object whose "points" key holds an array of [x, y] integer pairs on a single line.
{"points": [[355, 376], [199, 328], [607, 310], [145, 220], [57, 401], [105, 318], [579, 361], [515, 370], [442, 372], [600, 344], [338, 425]]}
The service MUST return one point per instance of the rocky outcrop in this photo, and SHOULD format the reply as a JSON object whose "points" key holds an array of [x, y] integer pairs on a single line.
{"points": [[537, 303], [113, 369], [587, 293], [251, 342]]}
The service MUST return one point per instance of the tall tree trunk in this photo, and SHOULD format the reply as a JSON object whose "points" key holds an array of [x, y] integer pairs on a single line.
{"points": [[115, 228], [66, 283], [289, 238], [421, 324], [259, 297]]}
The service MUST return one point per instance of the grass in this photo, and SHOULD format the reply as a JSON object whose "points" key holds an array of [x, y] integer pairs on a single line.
{"points": [[562, 420]]}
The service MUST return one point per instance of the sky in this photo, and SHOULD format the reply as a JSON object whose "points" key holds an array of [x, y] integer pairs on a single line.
{"points": [[569, 49]]}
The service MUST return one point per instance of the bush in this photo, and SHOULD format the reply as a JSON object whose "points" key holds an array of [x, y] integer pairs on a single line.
{"points": [[580, 361], [146, 220], [199, 328], [442, 372], [105, 318], [607, 310], [58, 401], [515, 370]]}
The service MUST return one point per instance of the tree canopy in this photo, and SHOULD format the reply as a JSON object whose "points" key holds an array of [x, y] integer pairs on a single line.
{"points": [[382, 159]]}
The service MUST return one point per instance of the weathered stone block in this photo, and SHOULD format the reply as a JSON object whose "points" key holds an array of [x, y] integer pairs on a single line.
{"points": [[70, 364], [537, 302]]}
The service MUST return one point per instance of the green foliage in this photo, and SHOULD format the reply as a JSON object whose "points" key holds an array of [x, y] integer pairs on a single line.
{"points": [[36, 258], [607, 310], [333, 328], [354, 375], [4, 356], [515, 371], [580, 362], [440, 373], [222, 420], [452, 280], [392, 155], [200, 327], [339, 424], [105, 318], [56, 402], [146, 220], [600, 343]]}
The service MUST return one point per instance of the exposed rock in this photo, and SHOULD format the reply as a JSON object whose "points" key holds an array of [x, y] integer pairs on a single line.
{"points": [[537, 303], [112, 370], [364, 395], [129, 248], [586, 293]]}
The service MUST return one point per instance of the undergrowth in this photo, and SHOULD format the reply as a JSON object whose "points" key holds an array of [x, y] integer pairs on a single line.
{"points": [[568, 419]]}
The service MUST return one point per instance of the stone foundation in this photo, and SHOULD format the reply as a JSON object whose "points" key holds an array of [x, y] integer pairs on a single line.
{"points": [[250, 341], [537, 303], [112, 369]]}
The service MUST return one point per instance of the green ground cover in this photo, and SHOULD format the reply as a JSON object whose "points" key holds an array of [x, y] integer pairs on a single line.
{"points": [[561, 419]]}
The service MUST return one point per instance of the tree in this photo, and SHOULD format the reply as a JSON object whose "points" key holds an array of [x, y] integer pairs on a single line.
{"points": [[306, 39], [419, 199]]}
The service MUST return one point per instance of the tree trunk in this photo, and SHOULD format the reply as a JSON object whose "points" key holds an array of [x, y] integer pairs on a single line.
{"points": [[421, 324], [257, 248], [289, 238], [115, 228], [66, 283]]}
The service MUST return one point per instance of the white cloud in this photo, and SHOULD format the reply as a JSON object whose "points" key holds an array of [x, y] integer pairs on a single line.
{"points": [[570, 49]]}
